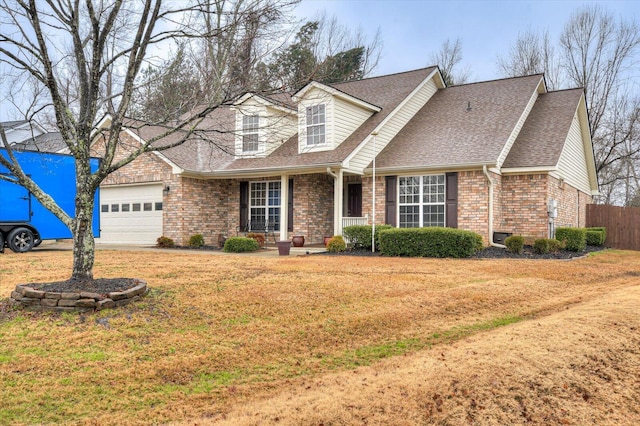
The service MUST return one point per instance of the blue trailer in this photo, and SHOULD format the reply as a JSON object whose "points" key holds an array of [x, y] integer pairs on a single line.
{"points": [[24, 222]]}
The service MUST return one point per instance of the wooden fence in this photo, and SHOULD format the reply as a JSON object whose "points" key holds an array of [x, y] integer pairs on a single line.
{"points": [[622, 223]]}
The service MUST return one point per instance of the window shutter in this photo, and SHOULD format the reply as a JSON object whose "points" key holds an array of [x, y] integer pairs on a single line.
{"points": [[452, 200], [244, 205], [391, 199], [290, 207]]}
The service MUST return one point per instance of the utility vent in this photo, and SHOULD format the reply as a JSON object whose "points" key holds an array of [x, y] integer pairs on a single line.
{"points": [[499, 237]]}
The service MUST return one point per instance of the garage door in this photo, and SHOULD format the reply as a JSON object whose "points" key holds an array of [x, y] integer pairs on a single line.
{"points": [[130, 214]]}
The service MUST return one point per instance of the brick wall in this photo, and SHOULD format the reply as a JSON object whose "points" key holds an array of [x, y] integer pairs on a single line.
{"points": [[524, 205], [367, 198], [473, 202], [572, 203], [313, 207]]}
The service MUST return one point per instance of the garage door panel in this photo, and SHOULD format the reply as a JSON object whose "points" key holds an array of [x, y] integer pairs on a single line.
{"points": [[129, 226]]}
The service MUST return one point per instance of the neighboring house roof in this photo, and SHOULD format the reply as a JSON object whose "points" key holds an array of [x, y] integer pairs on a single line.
{"points": [[542, 137], [466, 124], [46, 142], [13, 124]]}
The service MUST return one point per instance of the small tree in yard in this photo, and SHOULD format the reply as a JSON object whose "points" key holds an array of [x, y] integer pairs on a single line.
{"points": [[87, 56]]}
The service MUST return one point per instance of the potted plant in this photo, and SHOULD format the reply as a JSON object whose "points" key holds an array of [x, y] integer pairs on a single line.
{"points": [[298, 240], [284, 247]]}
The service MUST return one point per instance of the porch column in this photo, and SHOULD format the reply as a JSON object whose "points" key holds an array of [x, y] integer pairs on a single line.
{"points": [[284, 207], [338, 189]]}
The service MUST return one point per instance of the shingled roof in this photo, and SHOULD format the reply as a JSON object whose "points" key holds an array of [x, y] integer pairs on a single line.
{"points": [[466, 124], [543, 135]]}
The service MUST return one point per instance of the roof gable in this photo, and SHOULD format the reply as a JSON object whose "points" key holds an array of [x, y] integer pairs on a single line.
{"points": [[462, 125]]}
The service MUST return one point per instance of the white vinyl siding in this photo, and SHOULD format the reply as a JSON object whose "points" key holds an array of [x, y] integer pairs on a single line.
{"points": [[572, 165], [348, 118], [275, 126], [362, 156]]}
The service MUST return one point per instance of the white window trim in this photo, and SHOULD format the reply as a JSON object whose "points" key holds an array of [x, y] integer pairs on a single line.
{"points": [[316, 125], [266, 207], [255, 131], [421, 203]]}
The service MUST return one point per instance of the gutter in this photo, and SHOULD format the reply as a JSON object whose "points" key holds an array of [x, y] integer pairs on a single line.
{"points": [[490, 182]]}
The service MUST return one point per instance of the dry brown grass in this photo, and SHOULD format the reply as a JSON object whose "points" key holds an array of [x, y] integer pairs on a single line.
{"points": [[329, 340]]}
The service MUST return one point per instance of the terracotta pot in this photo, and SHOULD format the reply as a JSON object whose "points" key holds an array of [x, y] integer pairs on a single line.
{"points": [[284, 247], [326, 240], [298, 241]]}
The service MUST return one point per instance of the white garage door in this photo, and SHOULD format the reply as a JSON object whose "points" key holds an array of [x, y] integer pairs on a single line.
{"points": [[130, 214]]}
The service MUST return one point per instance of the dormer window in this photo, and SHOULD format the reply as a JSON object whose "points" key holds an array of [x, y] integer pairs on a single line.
{"points": [[250, 126], [316, 125]]}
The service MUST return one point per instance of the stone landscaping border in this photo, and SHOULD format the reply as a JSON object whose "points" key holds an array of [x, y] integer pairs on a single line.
{"points": [[31, 298]]}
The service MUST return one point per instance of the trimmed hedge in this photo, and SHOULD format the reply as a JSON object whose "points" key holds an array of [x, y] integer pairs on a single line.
{"points": [[514, 244], [546, 245], [574, 239], [336, 244], [196, 240], [429, 242], [240, 245], [596, 236], [360, 235]]}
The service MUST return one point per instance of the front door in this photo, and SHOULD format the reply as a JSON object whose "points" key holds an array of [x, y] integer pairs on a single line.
{"points": [[354, 200]]}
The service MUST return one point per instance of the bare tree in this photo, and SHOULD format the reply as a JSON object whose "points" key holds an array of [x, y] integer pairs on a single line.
{"points": [[599, 53], [532, 53], [448, 58], [87, 56]]}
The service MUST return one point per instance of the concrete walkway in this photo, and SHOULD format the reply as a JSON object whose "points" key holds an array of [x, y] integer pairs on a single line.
{"points": [[269, 251]]}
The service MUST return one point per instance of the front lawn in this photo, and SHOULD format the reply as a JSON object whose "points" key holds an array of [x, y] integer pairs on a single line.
{"points": [[217, 331]]}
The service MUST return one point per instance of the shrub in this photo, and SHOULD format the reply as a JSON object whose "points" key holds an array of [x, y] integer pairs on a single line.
{"points": [[360, 235], [596, 236], [336, 244], [546, 245], [429, 242], [165, 242], [258, 237], [514, 244], [240, 245], [574, 239], [196, 240]]}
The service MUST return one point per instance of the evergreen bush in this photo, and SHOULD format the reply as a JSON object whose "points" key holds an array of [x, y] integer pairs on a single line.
{"points": [[196, 241], [240, 245], [514, 244], [359, 236], [336, 244], [164, 242], [574, 239], [429, 242]]}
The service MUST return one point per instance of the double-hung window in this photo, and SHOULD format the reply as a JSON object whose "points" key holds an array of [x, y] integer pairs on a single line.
{"points": [[316, 125], [421, 201], [250, 126], [264, 201]]}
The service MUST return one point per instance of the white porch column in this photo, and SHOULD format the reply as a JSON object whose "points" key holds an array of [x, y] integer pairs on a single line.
{"points": [[338, 189], [284, 207]]}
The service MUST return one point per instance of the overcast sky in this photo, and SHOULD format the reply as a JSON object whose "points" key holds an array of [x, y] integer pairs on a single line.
{"points": [[413, 29]]}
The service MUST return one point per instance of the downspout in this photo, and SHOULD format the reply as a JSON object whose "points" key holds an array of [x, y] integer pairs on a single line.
{"points": [[490, 182]]}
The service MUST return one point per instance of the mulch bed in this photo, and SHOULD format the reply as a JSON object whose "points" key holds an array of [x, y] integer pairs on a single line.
{"points": [[99, 285]]}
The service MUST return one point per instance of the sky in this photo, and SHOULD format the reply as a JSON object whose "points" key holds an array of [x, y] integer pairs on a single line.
{"points": [[413, 29]]}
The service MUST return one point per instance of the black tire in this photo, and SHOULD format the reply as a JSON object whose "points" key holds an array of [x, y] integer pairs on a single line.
{"points": [[37, 242], [20, 240], [1, 243]]}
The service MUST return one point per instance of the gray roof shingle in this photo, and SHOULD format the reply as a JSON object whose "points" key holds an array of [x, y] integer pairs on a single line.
{"points": [[543, 135], [446, 133]]}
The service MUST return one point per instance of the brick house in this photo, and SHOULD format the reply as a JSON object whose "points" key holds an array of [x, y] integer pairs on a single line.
{"points": [[490, 157]]}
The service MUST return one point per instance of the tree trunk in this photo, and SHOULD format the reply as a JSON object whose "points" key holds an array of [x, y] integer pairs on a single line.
{"points": [[83, 241]]}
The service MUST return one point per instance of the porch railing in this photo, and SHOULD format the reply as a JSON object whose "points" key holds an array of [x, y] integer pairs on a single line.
{"points": [[350, 221]]}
